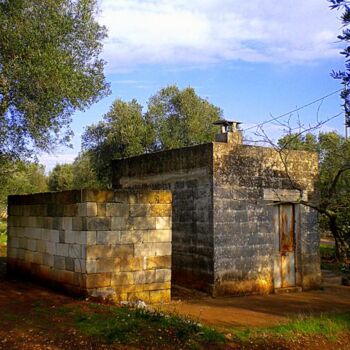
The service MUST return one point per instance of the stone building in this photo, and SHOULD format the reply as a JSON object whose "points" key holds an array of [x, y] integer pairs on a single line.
{"points": [[106, 244], [237, 223]]}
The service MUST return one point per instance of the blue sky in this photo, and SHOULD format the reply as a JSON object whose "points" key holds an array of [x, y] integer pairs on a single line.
{"points": [[252, 58]]}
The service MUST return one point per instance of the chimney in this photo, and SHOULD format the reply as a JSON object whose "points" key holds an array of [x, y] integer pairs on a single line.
{"points": [[229, 132]]}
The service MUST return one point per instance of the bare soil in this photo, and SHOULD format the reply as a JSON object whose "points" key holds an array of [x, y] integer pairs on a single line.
{"points": [[22, 326]]}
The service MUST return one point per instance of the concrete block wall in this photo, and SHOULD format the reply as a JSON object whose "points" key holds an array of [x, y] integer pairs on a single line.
{"points": [[104, 244], [248, 181], [187, 173]]}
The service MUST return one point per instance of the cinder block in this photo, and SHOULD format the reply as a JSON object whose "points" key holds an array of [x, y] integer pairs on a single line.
{"points": [[81, 209], [107, 265], [131, 236], [130, 264], [163, 223], [163, 275], [54, 236], [99, 250], [101, 209], [31, 244], [70, 236], [51, 248], [80, 265], [162, 249], [157, 236], [28, 255], [143, 277], [59, 262], [117, 209], [98, 196], [23, 243], [145, 249], [91, 237], [62, 249], [140, 223], [69, 263], [119, 223], [38, 258], [12, 252], [158, 262], [122, 279], [41, 246], [62, 236], [80, 237], [70, 210], [91, 266], [98, 223], [98, 280], [162, 210], [139, 210], [79, 224], [66, 223], [91, 209], [108, 237], [48, 259], [13, 242], [76, 251], [160, 296]]}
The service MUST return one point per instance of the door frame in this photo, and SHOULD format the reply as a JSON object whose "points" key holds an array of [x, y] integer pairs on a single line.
{"points": [[277, 276]]}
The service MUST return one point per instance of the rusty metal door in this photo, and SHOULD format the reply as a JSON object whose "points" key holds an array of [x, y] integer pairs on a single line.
{"points": [[285, 255]]}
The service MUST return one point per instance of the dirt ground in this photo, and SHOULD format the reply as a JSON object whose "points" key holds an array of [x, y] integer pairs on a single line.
{"points": [[20, 328], [259, 311]]}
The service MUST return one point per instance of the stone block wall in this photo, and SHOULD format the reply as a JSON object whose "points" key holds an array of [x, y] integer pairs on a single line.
{"points": [[248, 182], [105, 244], [187, 173]]}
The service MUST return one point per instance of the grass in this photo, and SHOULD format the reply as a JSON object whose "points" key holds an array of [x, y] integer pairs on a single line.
{"points": [[327, 325], [139, 326]]}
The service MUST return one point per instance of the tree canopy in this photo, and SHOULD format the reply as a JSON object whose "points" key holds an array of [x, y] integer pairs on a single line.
{"points": [[21, 177], [49, 68], [333, 184], [174, 118]]}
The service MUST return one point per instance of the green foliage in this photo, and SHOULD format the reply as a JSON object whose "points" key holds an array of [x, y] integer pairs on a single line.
{"points": [[122, 133], [175, 118], [329, 326], [307, 142], [73, 176], [137, 326], [327, 251], [333, 184], [83, 174], [61, 178], [49, 67], [3, 232], [181, 118], [21, 178]]}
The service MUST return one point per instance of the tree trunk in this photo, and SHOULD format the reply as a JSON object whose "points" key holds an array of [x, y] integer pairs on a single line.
{"points": [[341, 244]]}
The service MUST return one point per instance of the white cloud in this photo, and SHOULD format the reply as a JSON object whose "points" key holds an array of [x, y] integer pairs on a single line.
{"points": [[207, 31], [50, 160]]}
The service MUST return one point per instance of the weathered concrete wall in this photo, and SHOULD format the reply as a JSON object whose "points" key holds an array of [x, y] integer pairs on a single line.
{"points": [[187, 172], [247, 181], [108, 244]]}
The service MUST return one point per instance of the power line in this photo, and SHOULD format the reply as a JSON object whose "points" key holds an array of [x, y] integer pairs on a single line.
{"points": [[293, 111]]}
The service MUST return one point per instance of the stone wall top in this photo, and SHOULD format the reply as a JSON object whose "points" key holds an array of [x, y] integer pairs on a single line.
{"points": [[163, 162], [90, 195]]}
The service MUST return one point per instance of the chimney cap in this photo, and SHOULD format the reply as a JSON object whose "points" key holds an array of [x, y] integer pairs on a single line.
{"points": [[224, 122]]}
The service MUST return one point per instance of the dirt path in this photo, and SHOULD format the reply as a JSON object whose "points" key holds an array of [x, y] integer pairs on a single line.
{"points": [[259, 311], [23, 327]]}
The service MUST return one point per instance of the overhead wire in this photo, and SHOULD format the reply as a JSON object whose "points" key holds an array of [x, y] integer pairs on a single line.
{"points": [[293, 111]]}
